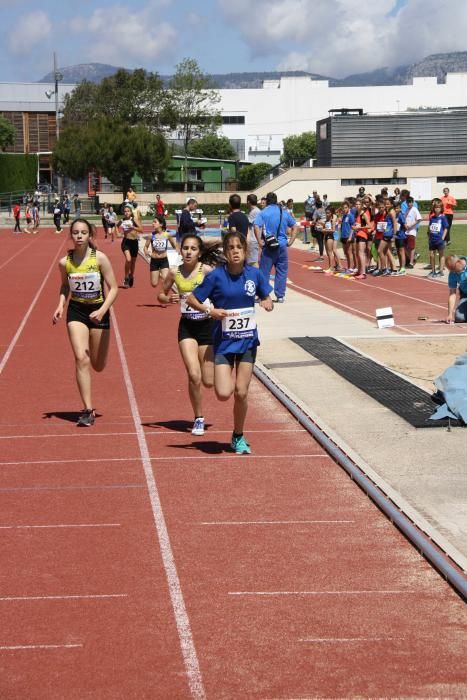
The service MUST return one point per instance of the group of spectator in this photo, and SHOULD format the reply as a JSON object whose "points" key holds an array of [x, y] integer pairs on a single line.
{"points": [[60, 208], [377, 231]]}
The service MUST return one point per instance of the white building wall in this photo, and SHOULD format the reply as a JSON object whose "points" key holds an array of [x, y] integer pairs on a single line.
{"points": [[294, 105]]}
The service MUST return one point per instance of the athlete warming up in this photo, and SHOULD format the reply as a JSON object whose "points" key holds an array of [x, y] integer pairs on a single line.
{"points": [[130, 229], [155, 248], [195, 328], [84, 271], [232, 289]]}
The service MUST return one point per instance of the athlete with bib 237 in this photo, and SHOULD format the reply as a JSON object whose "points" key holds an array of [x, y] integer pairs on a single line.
{"points": [[232, 289], [83, 271]]}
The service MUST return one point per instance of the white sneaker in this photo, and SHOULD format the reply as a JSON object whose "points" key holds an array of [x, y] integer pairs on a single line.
{"points": [[198, 426]]}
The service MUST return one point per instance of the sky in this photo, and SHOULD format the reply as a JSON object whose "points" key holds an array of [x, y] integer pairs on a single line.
{"points": [[333, 39]]}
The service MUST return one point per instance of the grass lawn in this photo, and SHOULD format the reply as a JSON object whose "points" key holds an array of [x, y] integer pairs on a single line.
{"points": [[458, 242]]}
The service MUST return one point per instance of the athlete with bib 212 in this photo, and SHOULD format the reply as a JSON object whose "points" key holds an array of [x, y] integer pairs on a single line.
{"points": [[83, 271], [232, 289]]}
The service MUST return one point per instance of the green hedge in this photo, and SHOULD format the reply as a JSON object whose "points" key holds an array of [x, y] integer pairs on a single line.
{"points": [[18, 172]]}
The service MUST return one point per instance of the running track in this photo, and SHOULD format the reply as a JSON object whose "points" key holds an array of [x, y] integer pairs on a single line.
{"points": [[140, 562]]}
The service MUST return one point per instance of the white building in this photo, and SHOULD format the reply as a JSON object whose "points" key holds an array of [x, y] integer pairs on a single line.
{"points": [[294, 105]]}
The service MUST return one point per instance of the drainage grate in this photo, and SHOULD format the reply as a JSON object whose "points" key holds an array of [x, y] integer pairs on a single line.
{"points": [[403, 398]]}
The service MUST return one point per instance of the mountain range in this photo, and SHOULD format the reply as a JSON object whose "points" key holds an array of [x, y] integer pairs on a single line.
{"points": [[435, 65]]}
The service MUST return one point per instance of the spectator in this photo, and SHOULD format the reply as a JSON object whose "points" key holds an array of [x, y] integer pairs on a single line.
{"points": [[310, 206], [17, 217], [237, 220], [77, 206], [66, 208], [160, 210], [412, 221], [276, 223], [319, 217], [262, 202], [131, 196], [57, 212], [437, 232], [457, 280], [254, 241], [289, 206], [449, 204], [325, 201], [186, 223], [360, 193]]}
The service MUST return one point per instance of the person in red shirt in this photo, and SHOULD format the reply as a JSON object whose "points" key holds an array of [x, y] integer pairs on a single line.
{"points": [[17, 216], [159, 206], [449, 203]]}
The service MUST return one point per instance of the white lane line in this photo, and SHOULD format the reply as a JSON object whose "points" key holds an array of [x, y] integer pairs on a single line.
{"points": [[60, 435], [97, 596], [174, 458], [11, 346], [334, 640], [187, 645], [17, 253], [318, 593], [32, 647], [278, 522], [62, 525], [333, 302]]}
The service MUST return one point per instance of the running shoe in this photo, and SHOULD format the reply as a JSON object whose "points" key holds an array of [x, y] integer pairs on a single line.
{"points": [[86, 418], [431, 275], [385, 273], [198, 426], [402, 271], [328, 271], [439, 274], [377, 273], [409, 266], [131, 280], [279, 300], [240, 445], [360, 277], [126, 283]]}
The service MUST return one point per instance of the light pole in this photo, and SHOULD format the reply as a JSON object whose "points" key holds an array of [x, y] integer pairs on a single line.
{"points": [[57, 78]]}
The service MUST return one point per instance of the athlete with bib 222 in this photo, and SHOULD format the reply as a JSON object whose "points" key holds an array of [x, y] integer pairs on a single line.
{"points": [[232, 289], [195, 326], [130, 229], [83, 271]]}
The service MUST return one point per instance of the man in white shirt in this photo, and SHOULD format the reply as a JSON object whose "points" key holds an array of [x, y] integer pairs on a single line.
{"points": [[412, 219]]}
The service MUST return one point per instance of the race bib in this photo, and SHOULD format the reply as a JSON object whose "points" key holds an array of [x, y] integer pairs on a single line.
{"points": [[381, 225], [159, 244], [239, 324], [328, 225], [85, 285], [188, 312], [435, 227], [127, 226]]}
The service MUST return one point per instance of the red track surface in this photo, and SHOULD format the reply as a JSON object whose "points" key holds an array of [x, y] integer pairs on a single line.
{"points": [[293, 583], [409, 296]]}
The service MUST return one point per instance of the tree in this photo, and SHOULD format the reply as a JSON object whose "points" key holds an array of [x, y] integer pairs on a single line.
{"points": [[212, 146], [251, 175], [299, 148], [7, 133], [116, 127], [113, 149], [193, 103]]}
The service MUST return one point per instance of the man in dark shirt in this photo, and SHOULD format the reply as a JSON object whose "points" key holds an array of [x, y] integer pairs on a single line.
{"points": [[238, 221], [186, 223]]}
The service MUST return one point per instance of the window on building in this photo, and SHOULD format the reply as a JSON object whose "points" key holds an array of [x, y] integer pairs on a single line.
{"points": [[233, 119], [374, 181], [452, 178], [194, 174], [323, 131]]}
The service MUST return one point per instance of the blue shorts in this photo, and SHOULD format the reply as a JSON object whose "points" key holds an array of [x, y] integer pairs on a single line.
{"points": [[437, 245], [234, 358]]}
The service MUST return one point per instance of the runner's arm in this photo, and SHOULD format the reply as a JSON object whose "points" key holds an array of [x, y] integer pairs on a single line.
{"points": [[64, 292]]}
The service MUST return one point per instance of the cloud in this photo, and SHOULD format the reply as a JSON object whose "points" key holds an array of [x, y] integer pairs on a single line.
{"points": [[36, 27], [123, 35], [347, 36]]}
